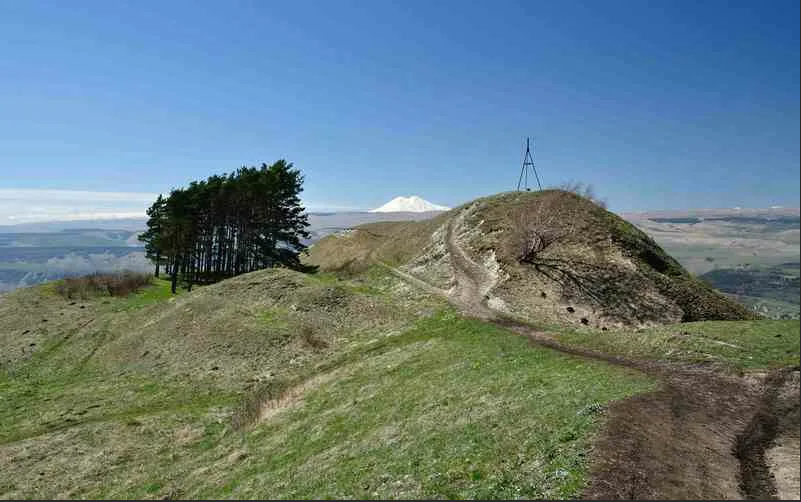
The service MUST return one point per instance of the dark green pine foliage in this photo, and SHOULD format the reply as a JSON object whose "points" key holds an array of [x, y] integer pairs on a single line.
{"points": [[155, 222], [228, 225]]}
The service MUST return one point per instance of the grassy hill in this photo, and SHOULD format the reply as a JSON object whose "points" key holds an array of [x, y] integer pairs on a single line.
{"points": [[412, 371], [591, 267], [278, 384]]}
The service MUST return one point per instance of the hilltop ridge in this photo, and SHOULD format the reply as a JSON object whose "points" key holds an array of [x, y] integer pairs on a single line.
{"points": [[549, 256]]}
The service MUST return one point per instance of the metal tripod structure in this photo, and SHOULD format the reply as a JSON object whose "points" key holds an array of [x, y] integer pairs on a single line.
{"points": [[528, 162]]}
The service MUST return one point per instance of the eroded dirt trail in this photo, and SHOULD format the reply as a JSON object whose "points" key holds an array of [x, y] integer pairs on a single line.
{"points": [[473, 282], [769, 449], [784, 455], [702, 435]]}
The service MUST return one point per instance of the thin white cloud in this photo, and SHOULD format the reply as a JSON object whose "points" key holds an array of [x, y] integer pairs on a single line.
{"points": [[39, 205], [321, 208], [72, 216], [42, 205], [28, 194]]}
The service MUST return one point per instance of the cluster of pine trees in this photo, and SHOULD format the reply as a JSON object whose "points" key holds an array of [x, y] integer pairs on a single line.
{"points": [[227, 225]]}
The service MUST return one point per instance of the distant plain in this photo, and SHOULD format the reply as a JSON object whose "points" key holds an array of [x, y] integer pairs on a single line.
{"points": [[752, 254]]}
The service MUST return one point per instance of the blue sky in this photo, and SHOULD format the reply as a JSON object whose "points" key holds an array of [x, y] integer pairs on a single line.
{"points": [[657, 104]]}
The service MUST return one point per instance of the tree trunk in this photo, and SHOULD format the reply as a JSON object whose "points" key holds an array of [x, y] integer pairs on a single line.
{"points": [[174, 278], [191, 276]]}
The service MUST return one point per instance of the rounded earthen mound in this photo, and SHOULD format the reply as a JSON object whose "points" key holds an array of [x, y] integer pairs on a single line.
{"points": [[549, 256]]}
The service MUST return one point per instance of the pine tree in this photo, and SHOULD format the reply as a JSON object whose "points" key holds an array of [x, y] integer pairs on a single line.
{"points": [[231, 224], [155, 223]]}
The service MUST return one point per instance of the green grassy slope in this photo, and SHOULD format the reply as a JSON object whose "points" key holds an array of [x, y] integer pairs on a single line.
{"points": [[451, 408], [392, 242], [732, 345], [387, 393]]}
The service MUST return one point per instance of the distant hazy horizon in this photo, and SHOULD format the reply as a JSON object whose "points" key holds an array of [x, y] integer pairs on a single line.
{"points": [[32, 206]]}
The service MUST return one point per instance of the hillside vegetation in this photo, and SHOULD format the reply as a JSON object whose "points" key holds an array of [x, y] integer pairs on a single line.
{"points": [[521, 346], [546, 256], [278, 384], [559, 269]]}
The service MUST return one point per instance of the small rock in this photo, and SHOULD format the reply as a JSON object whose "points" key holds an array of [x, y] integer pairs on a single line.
{"points": [[543, 294], [571, 309], [585, 321]]}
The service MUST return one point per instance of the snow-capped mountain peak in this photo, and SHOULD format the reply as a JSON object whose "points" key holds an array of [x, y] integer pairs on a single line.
{"points": [[412, 204]]}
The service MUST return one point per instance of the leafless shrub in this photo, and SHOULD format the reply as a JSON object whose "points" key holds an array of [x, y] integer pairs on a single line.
{"points": [[539, 226], [119, 284], [585, 190]]}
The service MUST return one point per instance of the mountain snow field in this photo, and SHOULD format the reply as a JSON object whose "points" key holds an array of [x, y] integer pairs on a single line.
{"points": [[411, 204]]}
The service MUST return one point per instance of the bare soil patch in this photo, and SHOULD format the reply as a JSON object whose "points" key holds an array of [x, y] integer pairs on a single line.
{"points": [[676, 443], [782, 454], [292, 397]]}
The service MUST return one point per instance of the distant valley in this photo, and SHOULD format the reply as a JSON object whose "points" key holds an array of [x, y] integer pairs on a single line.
{"points": [[750, 254], [33, 253], [31, 257]]}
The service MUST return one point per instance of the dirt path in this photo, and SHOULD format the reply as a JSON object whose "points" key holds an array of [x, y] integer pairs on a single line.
{"points": [[473, 281], [419, 283], [783, 454], [702, 435]]}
